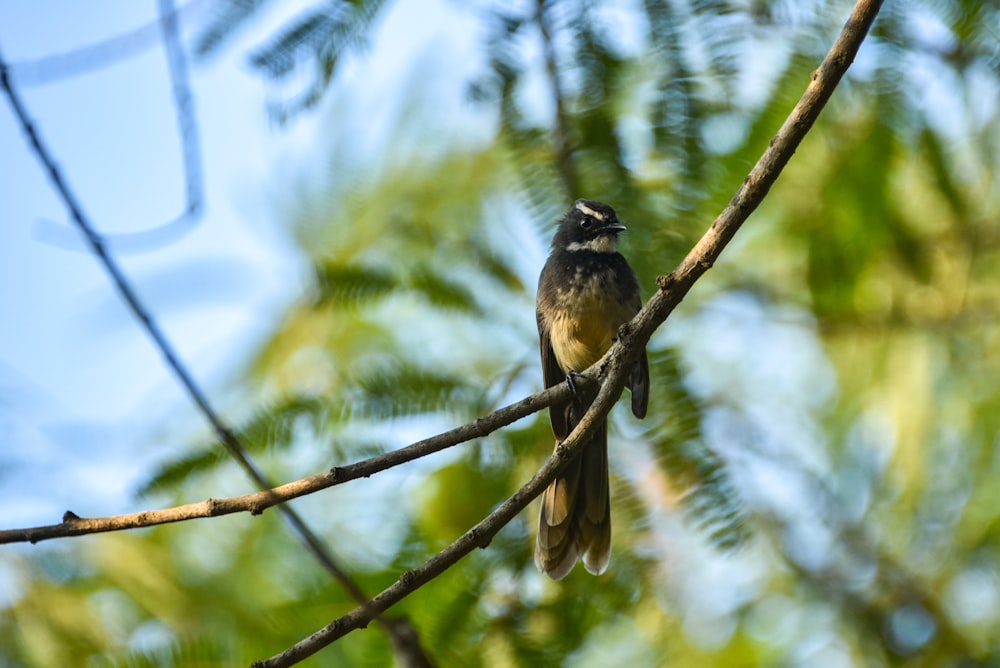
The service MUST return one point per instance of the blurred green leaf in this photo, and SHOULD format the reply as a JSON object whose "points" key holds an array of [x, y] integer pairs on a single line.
{"points": [[318, 37], [350, 285], [674, 428], [227, 17]]}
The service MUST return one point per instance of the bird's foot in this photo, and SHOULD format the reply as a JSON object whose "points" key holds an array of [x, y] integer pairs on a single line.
{"points": [[571, 382]]}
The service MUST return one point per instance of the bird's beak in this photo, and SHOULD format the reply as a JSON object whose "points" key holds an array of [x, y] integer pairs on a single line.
{"points": [[617, 227]]}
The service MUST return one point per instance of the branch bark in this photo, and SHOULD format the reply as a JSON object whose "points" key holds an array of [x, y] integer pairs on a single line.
{"points": [[635, 335], [258, 502]]}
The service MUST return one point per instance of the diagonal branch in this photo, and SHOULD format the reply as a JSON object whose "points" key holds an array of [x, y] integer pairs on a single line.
{"points": [[403, 637], [764, 173], [634, 337], [258, 502], [478, 536]]}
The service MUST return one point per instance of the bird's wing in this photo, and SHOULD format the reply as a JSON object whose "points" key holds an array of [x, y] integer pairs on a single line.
{"points": [[552, 374]]}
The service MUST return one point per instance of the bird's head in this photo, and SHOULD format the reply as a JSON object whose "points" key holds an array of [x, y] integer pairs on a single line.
{"points": [[588, 225]]}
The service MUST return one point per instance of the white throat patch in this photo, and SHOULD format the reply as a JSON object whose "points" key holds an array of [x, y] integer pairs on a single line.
{"points": [[604, 243]]}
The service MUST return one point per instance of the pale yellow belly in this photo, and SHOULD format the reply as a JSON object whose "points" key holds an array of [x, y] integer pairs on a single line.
{"points": [[581, 341]]}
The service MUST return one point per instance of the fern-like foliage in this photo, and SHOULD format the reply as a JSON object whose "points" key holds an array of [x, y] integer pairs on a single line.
{"points": [[269, 429], [315, 41], [351, 285], [226, 18], [406, 390], [442, 291], [881, 231], [674, 429], [170, 475]]}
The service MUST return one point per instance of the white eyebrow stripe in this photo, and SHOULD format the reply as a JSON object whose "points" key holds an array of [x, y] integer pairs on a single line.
{"points": [[583, 208]]}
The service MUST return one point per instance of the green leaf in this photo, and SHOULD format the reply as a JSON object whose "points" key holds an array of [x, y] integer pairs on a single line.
{"points": [[341, 285], [400, 390], [441, 291], [944, 177], [169, 476], [269, 429], [318, 37]]}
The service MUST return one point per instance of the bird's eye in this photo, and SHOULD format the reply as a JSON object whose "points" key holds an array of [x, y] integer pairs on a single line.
{"points": [[586, 223]]}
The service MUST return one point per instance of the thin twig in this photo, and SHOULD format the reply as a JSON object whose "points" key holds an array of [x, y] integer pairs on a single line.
{"points": [[402, 638], [634, 337], [110, 51], [563, 132], [258, 502], [96, 244], [158, 236], [187, 125]]}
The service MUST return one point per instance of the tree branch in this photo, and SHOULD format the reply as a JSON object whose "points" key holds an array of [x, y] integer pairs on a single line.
{"points": [[258, 502], [478, 536], [764, 173], [636, 334], [403, 639]]}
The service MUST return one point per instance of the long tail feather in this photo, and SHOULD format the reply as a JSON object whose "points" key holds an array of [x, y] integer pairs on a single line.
{"points": [[575, 518]]}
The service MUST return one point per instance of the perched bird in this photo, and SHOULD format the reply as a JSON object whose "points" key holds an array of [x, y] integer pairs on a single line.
{"points": [[586, 291]]}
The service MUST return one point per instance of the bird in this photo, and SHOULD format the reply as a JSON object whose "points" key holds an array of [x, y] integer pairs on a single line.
{"points": [[586, 292]]}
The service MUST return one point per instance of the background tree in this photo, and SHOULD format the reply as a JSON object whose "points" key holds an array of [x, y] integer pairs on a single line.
{"points": [[814, 482]]}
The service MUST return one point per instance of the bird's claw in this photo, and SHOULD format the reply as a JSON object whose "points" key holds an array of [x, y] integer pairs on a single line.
{"points": [[571, 382]]}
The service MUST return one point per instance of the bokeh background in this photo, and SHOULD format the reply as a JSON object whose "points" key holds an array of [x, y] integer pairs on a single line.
{"points": [[817, 482]]}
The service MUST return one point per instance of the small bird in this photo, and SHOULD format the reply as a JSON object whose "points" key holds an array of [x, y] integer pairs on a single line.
{"points": [[586, 291]]}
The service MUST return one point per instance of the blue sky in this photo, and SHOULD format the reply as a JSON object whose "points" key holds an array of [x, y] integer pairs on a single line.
{"points": [[85, 399], [81, 387]]}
